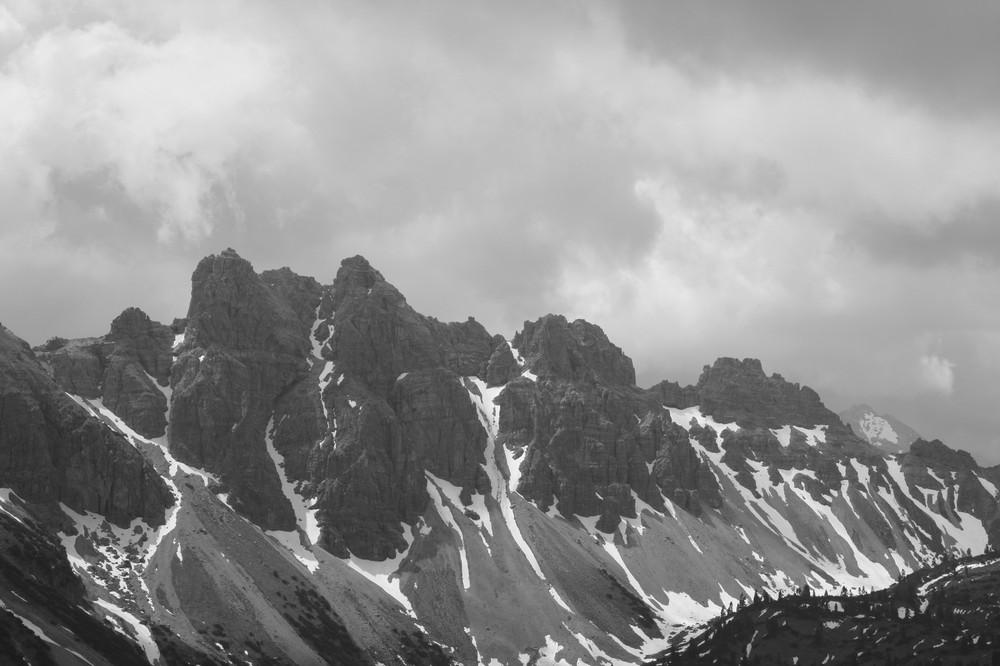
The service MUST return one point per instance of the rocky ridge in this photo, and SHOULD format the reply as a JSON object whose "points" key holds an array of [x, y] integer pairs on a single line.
{"points": [[421, 476]]}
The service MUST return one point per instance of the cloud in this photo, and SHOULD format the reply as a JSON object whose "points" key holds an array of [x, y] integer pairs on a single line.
{"points": [[701, 180], [155, 124], [937, 374]]}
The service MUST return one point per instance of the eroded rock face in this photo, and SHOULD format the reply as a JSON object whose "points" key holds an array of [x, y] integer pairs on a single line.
{"points": [[245, 344], [733, 390], [682, 474], [54, 451], [395, 407], [362, 395], [128, 369], [587, 447], [579, 351], [378, 336]]}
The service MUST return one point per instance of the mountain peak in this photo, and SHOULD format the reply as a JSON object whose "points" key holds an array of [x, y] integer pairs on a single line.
{"points": [[132, 322], [553, 347], [735, 390], [357, 272]]}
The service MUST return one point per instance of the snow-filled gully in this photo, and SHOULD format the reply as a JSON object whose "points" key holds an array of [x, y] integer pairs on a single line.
{"points": [[503, 489], [305, 515]]}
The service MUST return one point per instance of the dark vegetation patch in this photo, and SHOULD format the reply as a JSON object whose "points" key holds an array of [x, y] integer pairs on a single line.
{"points": [[416, 650], [312, 617], [33, 565], [955, 622]]}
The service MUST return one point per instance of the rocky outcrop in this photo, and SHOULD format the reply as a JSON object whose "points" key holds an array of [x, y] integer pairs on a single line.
{"points": [[734, 390], [378, 336], [934, 466], [362, 393], [682, 474], [440, 424], [127, 369], [586, 448], [245, 344], [77, 366], [54, 451], [576, 352], [503, 366], [936, 454], [394, 406]]}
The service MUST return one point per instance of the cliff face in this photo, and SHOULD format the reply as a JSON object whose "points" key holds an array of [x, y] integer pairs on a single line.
{"points": [[733, 390], [54, 451], [243, 346], [127, 369], [390, 407], [358, 394], [579, 351]]}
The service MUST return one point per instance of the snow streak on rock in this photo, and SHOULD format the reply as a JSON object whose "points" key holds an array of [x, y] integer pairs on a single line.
{"points": [[489, 416], [305, 515], [445, 498], [385, 574], [140, 632]]}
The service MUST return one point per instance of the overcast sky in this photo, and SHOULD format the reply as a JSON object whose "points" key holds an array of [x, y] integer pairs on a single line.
{"points": [[805, 183]]}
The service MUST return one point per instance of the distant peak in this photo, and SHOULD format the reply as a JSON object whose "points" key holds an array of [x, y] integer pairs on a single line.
{"points": [[751, 366]]}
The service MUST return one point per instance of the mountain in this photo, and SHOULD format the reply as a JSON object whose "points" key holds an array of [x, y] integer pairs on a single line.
{"points": [[943, 614], [308, 473], [882, 430]]}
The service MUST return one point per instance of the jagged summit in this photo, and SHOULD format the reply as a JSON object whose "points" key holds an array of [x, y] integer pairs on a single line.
{"points": [[356, 271], [734, 390], [376, 484], [579, 351]]}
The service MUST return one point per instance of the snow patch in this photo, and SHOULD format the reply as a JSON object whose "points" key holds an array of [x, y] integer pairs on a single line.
{"points": [[990, 487], [682, 417], [293, 542], [385, 574], [5, 494], [142, 633], [784, 435], [549, 654], [876, 429]]}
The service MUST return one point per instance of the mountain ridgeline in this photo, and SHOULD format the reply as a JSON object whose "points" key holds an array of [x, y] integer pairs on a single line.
{"points": [[300, 473]]}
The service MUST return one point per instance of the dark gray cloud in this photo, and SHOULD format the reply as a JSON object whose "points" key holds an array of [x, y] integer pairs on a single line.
{"points": [[970, 237], [929, 52], [805, 183]]}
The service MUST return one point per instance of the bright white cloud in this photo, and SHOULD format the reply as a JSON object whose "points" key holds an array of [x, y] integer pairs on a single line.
{"points": [[937, 374]]}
